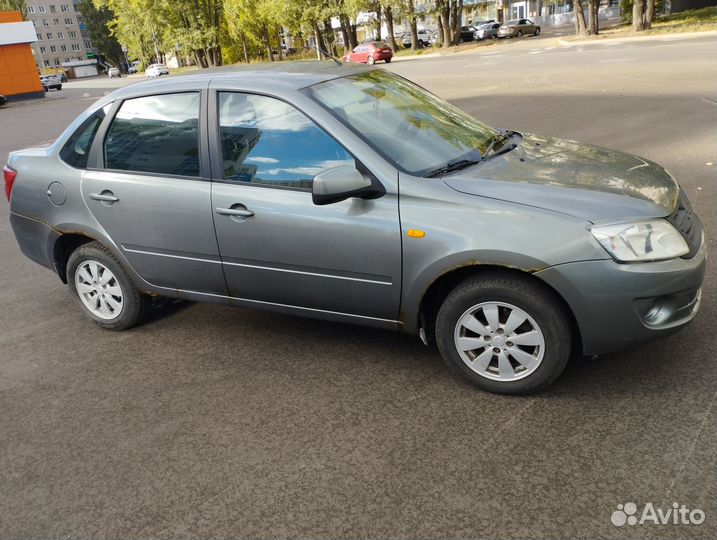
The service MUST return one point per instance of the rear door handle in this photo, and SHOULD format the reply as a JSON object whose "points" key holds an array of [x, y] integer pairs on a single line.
{"points": [[234, 212], [105, 196]]}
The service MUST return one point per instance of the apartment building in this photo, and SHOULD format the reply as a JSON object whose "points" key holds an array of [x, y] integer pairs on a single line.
{"points": [[62, 36]]}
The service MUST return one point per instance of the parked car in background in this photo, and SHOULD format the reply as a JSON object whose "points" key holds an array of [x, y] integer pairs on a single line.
{"points": [[350, 194], [134, 67], [487, 31], [370, 52], [113, 72], [3, 100], [518, 28], [50, 82], [423, 36], [433, 37], [156, 70], [467, 34]]}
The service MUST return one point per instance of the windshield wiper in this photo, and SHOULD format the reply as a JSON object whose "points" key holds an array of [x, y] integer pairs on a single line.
{"points": [[506, 135], [452, 166]]}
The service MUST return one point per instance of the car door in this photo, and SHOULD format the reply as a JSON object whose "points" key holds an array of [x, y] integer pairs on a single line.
{"points": [[149, 190], [277, 246]]}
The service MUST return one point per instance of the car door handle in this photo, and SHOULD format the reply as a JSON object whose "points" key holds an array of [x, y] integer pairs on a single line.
{"points": [[234, 212], [104, 197]]}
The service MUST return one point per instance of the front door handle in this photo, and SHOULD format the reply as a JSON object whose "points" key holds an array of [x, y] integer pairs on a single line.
{"points": [[105, 196], [239, 212]]}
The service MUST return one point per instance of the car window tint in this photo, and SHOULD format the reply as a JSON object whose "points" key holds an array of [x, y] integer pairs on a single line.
{"points": [[156, 134], [267, 141], [77, 148]]}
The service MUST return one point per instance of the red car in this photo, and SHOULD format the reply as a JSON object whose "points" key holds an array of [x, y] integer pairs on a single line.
{"points": [[370, 52]]}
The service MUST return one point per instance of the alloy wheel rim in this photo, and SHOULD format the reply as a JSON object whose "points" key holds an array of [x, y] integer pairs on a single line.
{"points": [[499, 341], [99, 290]]}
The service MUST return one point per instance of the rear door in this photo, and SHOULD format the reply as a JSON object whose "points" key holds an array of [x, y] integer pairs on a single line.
{"points": [[282, 249], [149, 190]]}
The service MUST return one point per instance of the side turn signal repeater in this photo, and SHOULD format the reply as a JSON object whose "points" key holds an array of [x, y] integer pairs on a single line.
{"points": [[416, 233]]}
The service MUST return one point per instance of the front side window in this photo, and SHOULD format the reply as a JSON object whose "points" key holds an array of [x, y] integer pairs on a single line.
{"points": [[413, 129], [156, 134], [77, 148], [267, 141]]}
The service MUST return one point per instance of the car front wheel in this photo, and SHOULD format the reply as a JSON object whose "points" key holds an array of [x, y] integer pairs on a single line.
{"points": [[371, 61], [537, 31], [103, 289], [504, 333]]}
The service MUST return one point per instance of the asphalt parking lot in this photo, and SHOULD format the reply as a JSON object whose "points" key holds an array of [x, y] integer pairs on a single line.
{"points": [[211, 421]]}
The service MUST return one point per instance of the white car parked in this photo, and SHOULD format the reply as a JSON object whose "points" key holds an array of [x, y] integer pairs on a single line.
{"points": [[113, 72], [156, 70]]}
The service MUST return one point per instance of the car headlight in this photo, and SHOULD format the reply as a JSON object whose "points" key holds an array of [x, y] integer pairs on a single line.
{"points": [[652, 240]]}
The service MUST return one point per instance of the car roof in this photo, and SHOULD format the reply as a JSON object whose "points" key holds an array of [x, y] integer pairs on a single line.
{"points": [[288, 75]]}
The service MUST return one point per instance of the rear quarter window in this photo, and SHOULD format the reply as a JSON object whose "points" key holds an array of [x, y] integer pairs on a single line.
{"points": [[77, 148]]}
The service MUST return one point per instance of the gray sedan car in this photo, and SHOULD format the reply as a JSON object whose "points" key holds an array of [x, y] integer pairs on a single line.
{"points": [[351, 194]]}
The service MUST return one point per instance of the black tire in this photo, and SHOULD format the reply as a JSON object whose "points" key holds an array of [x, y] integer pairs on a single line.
{"points": [[537, 31], [134, 304], [388, 60], [530, 296], [520, 33]]}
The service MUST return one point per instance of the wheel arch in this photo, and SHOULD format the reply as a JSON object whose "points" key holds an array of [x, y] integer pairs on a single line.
{"points": [[64, 245], [439, 289]]}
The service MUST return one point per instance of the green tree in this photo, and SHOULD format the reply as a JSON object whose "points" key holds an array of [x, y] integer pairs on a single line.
{"points": [[97, 22], [14, 5]]}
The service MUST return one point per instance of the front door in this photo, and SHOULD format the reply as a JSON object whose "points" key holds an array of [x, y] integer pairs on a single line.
{"points": [[277, 246], [150, 197]]}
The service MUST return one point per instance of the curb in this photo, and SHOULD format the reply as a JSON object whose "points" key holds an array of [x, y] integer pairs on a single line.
{"points": [[666, 36]]}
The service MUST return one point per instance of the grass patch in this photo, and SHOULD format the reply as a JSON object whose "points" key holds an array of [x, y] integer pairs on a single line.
{"points": [[694, 20]]}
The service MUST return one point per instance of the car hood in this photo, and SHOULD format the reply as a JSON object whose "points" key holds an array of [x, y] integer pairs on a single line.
{"points": [[580, 180]]}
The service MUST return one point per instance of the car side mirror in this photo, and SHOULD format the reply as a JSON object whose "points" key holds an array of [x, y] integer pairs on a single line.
{"points": [[343, 182]]}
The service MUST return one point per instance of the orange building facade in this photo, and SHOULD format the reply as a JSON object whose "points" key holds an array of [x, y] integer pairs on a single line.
{"points": [[18, 72]]}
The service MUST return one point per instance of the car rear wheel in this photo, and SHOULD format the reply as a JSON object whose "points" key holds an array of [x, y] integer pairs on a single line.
{"points": [[103, 289], [371, 61], [504, 333], [388, 60]]}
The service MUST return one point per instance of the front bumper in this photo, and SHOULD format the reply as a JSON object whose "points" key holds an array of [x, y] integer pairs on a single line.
{"points": [[617, 306]]}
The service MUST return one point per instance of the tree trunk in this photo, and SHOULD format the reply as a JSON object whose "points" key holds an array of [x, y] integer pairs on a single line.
{"points": [[593, 20], [377, 22], [456, 12], [414, 31], [267, 39], [446, 22], [579, 10], [345, 31], [638, 16], [330, 41], [246, 51], [278, 37], [649, 13], [319, 38], [389, 26]]}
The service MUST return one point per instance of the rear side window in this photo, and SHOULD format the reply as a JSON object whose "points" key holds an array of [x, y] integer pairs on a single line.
{"points": [[77, 148], [156, 134]]}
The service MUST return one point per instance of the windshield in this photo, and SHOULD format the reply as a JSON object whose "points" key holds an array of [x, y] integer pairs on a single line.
{"points": [[413, 129]]}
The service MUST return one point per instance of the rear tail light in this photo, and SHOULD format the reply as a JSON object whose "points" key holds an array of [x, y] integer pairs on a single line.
{"points": [[9, 176]]}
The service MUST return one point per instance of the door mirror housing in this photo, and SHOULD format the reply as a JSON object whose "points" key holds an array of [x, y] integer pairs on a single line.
{"points": [[344, 182]]}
